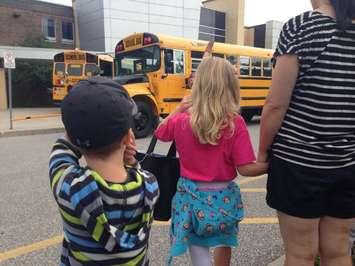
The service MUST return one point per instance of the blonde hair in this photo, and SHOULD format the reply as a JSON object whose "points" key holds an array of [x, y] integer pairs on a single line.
{"points": [[215, 100]]}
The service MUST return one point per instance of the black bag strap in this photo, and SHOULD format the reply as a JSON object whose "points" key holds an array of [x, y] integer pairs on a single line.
{"points": [[153, 143], [172, 150]]}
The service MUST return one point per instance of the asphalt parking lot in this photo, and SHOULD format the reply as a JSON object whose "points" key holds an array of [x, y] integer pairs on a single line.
{"points": [[30, 226]]}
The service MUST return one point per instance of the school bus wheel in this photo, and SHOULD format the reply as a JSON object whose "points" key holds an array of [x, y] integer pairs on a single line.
{"points": [[145, 120], [248, 114]]}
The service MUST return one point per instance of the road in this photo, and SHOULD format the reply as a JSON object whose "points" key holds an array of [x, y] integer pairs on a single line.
{"points": [[30, 226]]}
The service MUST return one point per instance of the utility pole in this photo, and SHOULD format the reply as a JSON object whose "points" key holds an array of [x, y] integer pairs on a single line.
{"points": [[76, 25]]}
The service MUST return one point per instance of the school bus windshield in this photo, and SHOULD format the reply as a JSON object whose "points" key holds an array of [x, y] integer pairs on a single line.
{"points": [[138, 61]]}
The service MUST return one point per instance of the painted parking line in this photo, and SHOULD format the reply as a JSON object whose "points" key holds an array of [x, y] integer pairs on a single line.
{"points": [[30, 248], [250, 220], [58, 239], [253, 190], [11, 254]]}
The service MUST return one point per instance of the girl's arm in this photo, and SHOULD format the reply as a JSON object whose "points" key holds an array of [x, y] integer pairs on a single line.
{"points": [[184, 105], [253, 169], [166, 129], [284, 78]]}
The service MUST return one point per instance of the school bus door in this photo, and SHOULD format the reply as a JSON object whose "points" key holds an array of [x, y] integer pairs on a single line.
{"points": [[172, 83]]}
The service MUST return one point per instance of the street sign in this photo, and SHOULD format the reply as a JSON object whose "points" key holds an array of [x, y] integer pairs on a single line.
{"points": [[9, 60], [9, 63]]}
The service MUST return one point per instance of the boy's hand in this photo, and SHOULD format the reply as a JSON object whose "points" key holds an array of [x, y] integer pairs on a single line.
{"points": [[130, 150]]}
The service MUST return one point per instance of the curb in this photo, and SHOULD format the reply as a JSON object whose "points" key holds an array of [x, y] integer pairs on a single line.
{"points": [[278, 262], [27, 132]]}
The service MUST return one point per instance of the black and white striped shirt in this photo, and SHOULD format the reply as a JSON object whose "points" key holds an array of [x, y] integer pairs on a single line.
{"points": [[319, 127]]}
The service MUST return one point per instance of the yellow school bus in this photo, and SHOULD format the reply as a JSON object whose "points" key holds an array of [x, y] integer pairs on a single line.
{"points": [[73, 65], [155, 70]]}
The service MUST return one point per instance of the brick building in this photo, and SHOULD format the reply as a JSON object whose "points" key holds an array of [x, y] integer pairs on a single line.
{"points": [[24, 21]]}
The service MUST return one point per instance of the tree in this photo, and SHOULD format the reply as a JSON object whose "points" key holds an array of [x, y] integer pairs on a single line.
{"points": [[36, 41], [31, 83]]}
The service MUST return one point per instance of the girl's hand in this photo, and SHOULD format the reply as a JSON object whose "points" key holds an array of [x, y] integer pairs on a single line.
{"points": [[208, 51], [253, 169], [185, 104]]}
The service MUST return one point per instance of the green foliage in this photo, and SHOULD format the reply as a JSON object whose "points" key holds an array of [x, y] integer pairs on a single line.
{"points": [[31, 81], [36, 41], [317, 262]]}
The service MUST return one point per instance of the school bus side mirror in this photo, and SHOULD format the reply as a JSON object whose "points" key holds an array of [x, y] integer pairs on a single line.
{"points": [[188, 84]]}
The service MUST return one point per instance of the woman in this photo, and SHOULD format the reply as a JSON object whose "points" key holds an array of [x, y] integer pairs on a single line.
{"points": [[307, 133]]}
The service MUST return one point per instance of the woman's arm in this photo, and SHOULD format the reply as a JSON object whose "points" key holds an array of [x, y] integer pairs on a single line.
{"points": [[284, 78]]}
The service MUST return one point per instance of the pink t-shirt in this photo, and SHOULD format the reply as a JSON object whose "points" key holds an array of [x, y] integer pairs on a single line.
{"points": [[206, 162]]}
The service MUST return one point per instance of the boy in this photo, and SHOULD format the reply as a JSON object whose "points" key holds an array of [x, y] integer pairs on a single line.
{"points": [[106, 207]]}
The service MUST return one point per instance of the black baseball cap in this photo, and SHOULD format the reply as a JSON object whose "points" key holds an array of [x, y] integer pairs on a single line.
{"points": [[97, 112]]}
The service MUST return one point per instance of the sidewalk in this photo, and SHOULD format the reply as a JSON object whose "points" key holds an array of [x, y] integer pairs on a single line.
{"points": [[28, 121]]}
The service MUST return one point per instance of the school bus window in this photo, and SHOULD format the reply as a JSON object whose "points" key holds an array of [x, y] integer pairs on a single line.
{"points": [[267, 70], [59, 68], [218, 55], [233, 60], [138, 66], [174, 61], [143, 60], [196, 58], [244, 65], [75, 69], [179, 62], [105, 68], [256, 67], [91, 70]]}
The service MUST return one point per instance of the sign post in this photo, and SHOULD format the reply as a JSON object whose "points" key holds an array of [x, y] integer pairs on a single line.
{"points": [[9, 63]]}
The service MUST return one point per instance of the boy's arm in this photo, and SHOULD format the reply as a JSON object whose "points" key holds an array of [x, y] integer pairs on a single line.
{"points": [[63, 155]]}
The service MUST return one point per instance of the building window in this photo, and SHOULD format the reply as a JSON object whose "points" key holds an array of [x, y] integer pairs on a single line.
{"points": [[212, 25], [48, 25], [67, 31]]}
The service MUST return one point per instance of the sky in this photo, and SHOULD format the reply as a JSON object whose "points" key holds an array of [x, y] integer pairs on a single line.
{"points": [[257, 11]]}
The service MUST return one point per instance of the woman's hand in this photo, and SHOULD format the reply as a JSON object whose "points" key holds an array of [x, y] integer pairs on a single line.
{"points": [[263, 157]]}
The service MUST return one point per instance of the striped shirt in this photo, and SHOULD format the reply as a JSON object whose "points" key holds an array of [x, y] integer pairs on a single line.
{"points": [[318, 130], [103, 223]]}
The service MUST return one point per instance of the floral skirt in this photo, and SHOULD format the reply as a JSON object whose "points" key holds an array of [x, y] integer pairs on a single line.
{"points": [[204, 217]]}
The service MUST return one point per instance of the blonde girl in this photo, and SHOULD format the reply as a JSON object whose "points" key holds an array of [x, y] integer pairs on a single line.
{"points": [[214, 146]]}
